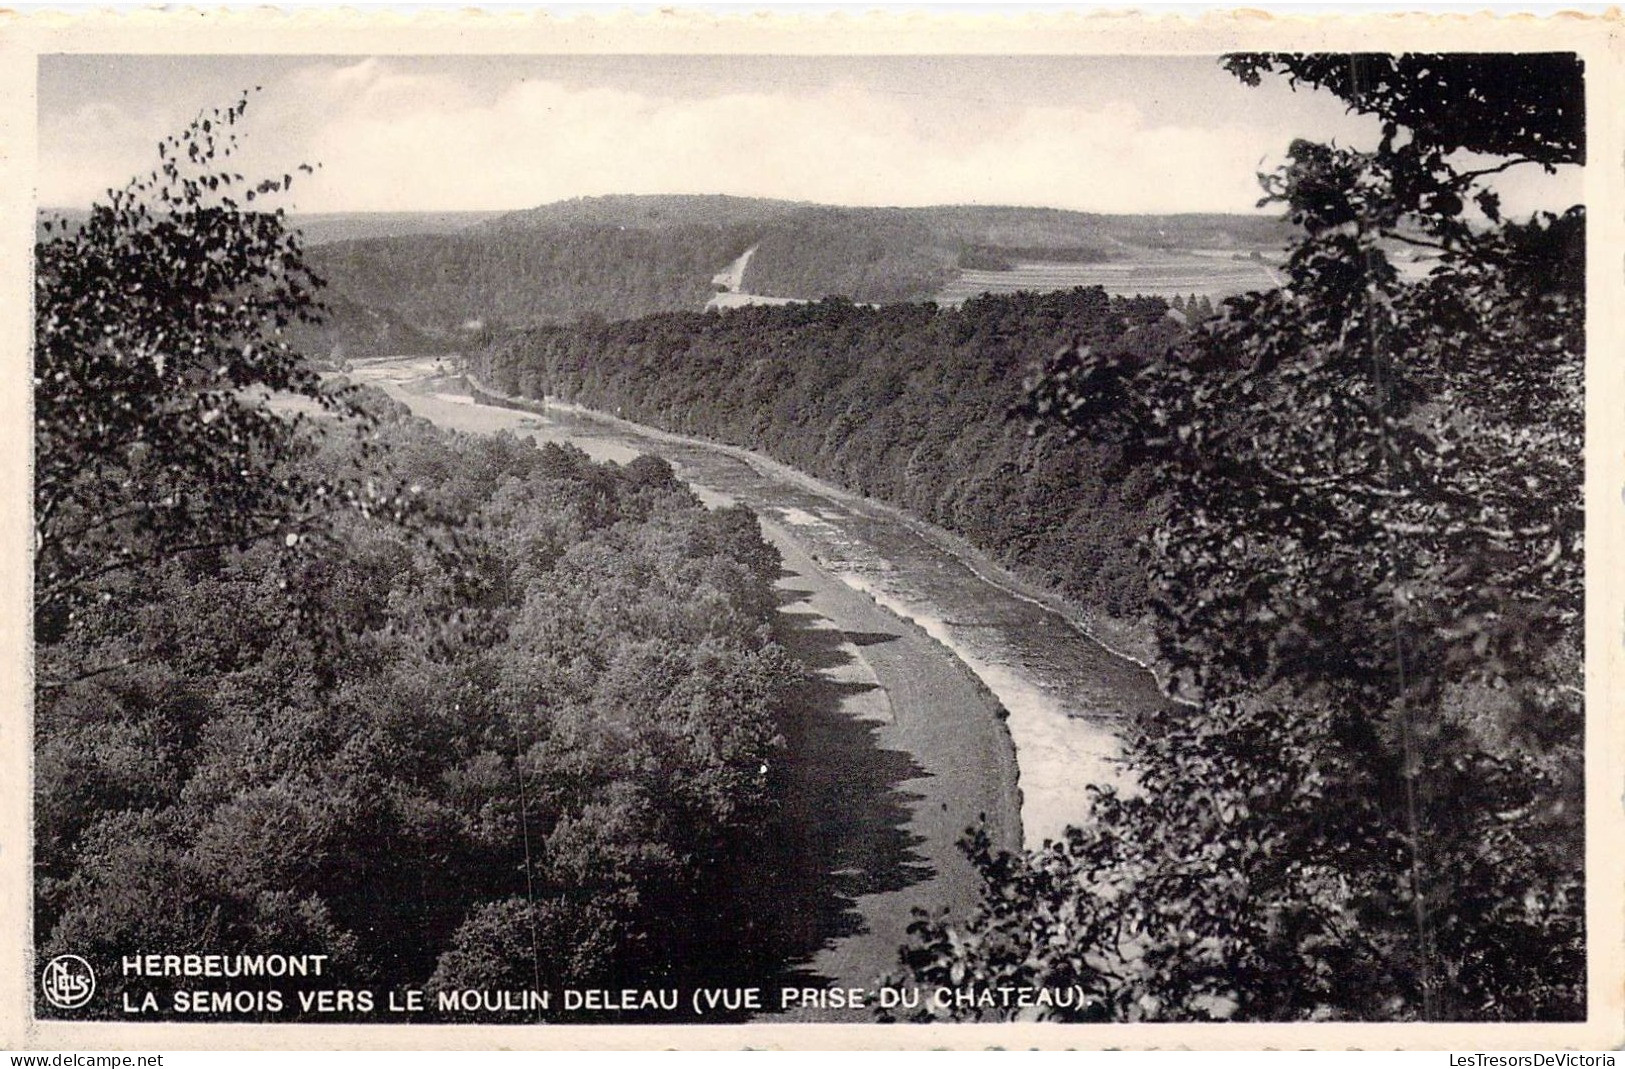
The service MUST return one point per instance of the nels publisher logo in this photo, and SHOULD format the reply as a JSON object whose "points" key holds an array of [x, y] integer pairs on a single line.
{"points": [[68, 981]]}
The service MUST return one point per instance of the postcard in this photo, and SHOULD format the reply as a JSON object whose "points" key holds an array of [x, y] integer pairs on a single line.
{"points": [[878, 531]]}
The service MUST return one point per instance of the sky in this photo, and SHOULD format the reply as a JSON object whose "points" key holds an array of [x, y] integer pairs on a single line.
{"points": [[474, 133]]}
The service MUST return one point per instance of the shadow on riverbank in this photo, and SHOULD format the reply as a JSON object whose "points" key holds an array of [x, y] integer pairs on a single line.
{"points": [[843, 833]]}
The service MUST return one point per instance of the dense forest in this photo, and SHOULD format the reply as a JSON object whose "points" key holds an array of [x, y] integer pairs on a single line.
{"points": [[454, 712], [539, 760], [454, 284], [905, 403]]}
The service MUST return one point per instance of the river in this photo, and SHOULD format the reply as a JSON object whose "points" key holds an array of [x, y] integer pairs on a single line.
{"points": [[1068, 696]]}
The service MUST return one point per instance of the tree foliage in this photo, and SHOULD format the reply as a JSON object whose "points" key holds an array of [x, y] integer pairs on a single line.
{"points": [[903, 403], [1525, 105], [158, 336], [1369, 580], [552, 771]]}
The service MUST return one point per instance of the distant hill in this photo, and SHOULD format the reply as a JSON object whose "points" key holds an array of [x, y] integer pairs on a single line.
{"points": [[322, 228], [530, 275], [351, 328], [427, 282], [651, 212], [959, 224], [890, 254], [619, 257], [999, 226]]}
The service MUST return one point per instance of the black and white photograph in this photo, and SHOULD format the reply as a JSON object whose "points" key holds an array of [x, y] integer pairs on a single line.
{"points": [[888, 538]]}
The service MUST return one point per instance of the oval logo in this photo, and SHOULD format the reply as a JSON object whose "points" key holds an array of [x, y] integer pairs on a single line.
{"points": [[68, 981]]}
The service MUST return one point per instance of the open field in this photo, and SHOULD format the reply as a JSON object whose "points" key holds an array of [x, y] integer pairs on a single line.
{"points": [[1215, 274]]}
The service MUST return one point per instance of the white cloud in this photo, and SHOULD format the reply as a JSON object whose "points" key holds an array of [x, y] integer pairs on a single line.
{"points": [[96, 147], [393, 135], [392, 139], [399, 142]]}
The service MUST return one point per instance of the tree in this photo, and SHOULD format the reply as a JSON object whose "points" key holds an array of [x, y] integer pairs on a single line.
{"points": [[1370, 584], [159, 334], [1528, 107], [1522, 109]]}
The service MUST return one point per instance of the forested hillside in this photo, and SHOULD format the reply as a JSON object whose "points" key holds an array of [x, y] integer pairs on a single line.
{"points": [[906, 403], [452, 284], [866, 254], [348, 330], [624, 257]]}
